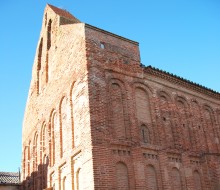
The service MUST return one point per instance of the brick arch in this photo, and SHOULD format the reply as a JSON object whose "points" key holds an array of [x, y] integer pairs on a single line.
{"points": [[151, 177], [117, 108], [162, 94], [116, 80], [183, 100], [197, 180], [145, 86], [122, 178], [175, 179]]}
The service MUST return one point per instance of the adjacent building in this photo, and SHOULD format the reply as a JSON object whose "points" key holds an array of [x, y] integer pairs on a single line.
{"points": [[9, 181]]}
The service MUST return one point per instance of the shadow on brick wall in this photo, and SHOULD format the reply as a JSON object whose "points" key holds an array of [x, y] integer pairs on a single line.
{"points": [[37, 180]]}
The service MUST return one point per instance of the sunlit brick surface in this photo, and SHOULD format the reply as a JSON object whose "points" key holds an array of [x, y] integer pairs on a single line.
{"points": [[96, 119]]}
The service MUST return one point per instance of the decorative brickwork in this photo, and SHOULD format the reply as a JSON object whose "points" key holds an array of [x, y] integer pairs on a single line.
{"points": [[96, 119]]}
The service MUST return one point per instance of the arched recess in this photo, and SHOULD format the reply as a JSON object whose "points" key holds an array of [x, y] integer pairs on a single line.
{"points": [[72, 100], [29, 159], [151, 178], [35, 152], [182, 128], [64, 183], [43, 140], [76, 130], [25, 152], [117, 107], [52, 144], [208, 113], [65, 125], [79, 179], [197, 180], [44, 171], [167, 130], [198, 135], [218, 116], [210, 127], [49, 34], [176, 179], [48, 48], [122, 179], [39, 66], [142, 105]]}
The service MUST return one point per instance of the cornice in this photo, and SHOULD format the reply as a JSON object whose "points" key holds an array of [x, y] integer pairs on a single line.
{"points": [[181, 81]]}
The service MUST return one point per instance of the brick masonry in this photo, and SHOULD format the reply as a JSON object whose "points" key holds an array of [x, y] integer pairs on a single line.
{"points": [[97, 119]]}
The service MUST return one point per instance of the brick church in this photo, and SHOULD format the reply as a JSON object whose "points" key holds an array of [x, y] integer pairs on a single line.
{"points": [[97, 119]]}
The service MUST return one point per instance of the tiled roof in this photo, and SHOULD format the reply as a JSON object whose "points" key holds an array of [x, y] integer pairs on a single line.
{"points": [[63, 13], [9, 178], [181, 81]]}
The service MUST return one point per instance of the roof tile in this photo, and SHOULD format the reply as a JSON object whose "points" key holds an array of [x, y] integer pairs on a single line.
{"points": [[9, 178]]}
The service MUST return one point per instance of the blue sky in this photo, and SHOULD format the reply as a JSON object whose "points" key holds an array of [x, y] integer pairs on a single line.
{"points": [[178, 36]]}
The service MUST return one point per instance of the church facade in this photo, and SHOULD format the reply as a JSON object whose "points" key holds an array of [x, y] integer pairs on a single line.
{"points": [[97, 119]]}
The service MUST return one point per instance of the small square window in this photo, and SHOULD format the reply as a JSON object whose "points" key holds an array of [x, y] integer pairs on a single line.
{"points": [[102, 46]]}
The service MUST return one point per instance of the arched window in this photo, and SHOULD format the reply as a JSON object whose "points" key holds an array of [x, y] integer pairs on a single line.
{"points": [[176, 179], [197, 181], [122, 176], [145, 136], [151, 178]]}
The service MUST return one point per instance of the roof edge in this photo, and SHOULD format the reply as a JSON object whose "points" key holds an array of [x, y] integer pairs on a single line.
{"points": [[63, 13], [111, 34], [182, 81]]}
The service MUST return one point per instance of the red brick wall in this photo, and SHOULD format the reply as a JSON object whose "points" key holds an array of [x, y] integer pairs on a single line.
{"points": [[179, 122], [96, 119]]}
